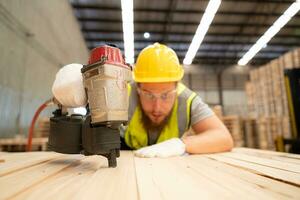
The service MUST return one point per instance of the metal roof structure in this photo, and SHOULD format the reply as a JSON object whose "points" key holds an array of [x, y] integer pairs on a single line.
{"points": [[236, 27]]}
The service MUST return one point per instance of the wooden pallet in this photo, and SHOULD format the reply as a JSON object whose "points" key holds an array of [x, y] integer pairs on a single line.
{"points": [[233, 124], [250, 132], [218, 111], [257, 132], [296, 56], [291, 59], [19, 144], [266, 91], [250, 93], [242, 173], [42, 127], [267, 97]]}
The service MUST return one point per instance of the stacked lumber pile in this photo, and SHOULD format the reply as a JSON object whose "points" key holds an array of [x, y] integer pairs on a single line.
{"points": [[267, 100], [254, 132], [250, 132], [18, 144], [250, 93], [265, 136], [42, 127], [291, 59], [218, 111], [233, 124]]}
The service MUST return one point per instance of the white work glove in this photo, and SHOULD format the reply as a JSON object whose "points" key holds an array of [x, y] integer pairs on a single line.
{"points": [[68, 86], [168, 148]]}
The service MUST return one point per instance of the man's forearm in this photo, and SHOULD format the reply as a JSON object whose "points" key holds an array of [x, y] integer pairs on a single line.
{"points": [[210, 141]]}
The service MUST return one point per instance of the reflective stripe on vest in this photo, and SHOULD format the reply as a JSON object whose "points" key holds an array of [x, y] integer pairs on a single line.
{"points": [[136, 136]]}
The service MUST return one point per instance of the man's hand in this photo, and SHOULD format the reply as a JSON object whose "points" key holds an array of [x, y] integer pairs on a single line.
{"points": [[172, 147], [68, 86]]}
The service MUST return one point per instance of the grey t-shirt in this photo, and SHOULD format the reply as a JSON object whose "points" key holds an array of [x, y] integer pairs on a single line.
{"points": [[199, 110]]}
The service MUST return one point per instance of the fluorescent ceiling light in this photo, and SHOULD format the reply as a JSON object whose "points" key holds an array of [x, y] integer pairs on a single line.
{"points": [[128, 36], [273, 30], [205, 22]]}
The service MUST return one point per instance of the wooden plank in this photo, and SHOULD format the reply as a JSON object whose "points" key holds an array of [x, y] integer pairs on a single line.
{"points": [[282, 175], [275, 153], [247, 183], [264, 161], [14, 183], [18, 161], [189, 177], [268, 155], [233, 175], [228, 181], [164, 179], [90, 179], [65, 183], [112, 183]]}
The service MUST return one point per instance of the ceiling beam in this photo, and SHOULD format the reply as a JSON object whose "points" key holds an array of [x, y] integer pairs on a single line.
{"points": [[215, 62], [216, 50], [259, 1], [284, 44], [233, 57], [225, 61], [182, 23], [106, 31], [80, 6]]}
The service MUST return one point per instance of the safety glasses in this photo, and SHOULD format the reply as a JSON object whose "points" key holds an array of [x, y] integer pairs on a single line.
{"points": [[165, 96]]}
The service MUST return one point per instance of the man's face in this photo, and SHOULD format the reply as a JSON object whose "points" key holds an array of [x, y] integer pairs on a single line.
{"points": [[157, 100]]}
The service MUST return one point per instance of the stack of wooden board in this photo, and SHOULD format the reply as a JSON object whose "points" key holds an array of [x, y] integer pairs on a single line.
{"points": [[43, 127], [254, 132], [250, 93], [262, 132], [270, 100], [291, 59], [233, 124], [250, 132], [265, 136], [296, 58], [267, 99], [19, 144], [256, 95], [218, 111], [242, 173]]}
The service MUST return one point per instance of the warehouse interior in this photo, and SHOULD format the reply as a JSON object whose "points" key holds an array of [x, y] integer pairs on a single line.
{"points": [[40, 37], [241, 57]]}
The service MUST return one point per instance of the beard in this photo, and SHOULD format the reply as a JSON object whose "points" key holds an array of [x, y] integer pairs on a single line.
{"points": [[150, 126]]}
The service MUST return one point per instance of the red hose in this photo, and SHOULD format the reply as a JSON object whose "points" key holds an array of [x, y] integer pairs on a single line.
{"points": [[35, 117]]}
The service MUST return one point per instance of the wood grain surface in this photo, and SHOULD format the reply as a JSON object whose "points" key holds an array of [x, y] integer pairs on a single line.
{"points": [[241, 174]]}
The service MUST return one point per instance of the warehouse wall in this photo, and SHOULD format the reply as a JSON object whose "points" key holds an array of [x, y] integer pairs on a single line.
{"points": [[204, 81], [37, 38]]}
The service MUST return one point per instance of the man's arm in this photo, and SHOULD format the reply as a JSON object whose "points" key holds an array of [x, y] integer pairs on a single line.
{"points": [[211, 136]]}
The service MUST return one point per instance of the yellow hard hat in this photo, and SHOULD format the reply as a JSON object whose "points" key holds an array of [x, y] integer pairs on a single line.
{"points": [[157, 63]]}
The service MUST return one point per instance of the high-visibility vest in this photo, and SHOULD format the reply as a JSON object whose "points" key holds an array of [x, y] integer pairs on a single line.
{"points": [[179, 121]]}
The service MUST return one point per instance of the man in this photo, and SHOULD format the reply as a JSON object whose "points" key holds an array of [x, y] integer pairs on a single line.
{"points": [[161, 109]]}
